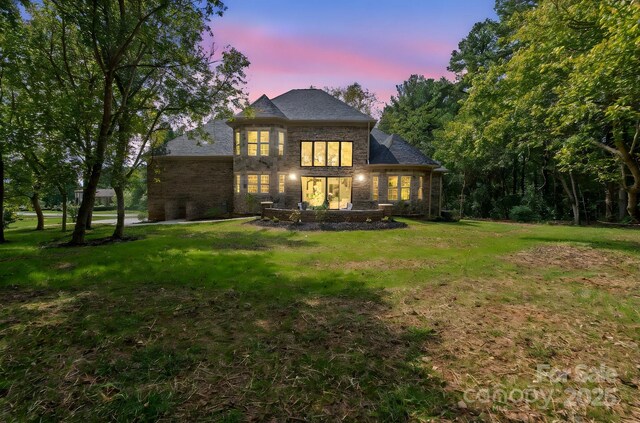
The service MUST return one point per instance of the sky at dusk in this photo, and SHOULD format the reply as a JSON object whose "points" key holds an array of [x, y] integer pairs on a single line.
{"points": [[296, 44]]}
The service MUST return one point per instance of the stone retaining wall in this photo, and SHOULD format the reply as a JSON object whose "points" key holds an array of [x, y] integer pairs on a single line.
{"points": [[333, 216]]}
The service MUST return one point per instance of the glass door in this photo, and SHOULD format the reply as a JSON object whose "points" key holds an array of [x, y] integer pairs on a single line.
{"points": [[314, 191], [338, 192]]}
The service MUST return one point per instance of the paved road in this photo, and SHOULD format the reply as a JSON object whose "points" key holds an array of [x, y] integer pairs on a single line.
{"points": [[131, 220]]}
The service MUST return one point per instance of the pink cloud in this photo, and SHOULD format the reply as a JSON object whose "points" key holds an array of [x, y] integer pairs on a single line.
{"points": [[281, 62]]}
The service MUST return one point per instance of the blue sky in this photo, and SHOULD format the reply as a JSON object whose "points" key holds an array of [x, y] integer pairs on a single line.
{"points": [[296, 44]]}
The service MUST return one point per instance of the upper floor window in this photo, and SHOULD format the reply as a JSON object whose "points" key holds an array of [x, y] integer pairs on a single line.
{"points": [[258, 141], [281, 143], [326, 153], [236, 143]]}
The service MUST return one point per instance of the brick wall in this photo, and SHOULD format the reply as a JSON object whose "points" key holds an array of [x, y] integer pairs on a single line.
{"points": [[189, 187]]}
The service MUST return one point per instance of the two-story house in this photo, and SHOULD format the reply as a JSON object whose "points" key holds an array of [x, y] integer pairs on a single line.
{"points": [[302, 147]]}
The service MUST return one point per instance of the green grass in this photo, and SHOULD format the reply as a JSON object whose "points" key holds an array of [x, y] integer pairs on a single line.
{"points": [[233, 322]]}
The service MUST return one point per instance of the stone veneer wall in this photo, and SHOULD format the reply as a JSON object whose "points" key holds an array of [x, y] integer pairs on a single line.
{"points": [[290, 164], [332, 216], [189, 187]]}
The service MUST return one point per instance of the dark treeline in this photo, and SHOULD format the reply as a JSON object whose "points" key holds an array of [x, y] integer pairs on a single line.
{"points": [[542, 121]]}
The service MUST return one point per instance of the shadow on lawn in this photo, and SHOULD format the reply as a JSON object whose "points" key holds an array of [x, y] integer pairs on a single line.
{"points": [[257, 346]]}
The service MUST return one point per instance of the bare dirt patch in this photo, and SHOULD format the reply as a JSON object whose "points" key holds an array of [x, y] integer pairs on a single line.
{"points": [[566, 256]]}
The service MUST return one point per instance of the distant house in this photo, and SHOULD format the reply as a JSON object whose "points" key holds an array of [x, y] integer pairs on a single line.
{"points": [[304, 146], [104, 196]]}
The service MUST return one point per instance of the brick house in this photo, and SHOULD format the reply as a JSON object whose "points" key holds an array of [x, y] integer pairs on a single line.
{"points": [[304, 146]]}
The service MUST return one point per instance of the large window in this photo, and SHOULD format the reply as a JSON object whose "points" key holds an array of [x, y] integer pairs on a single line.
{"points": [[405, 192], [334, 192], [392, 192], [258, 142], [375, 185], [258, 184], [326, 153]]}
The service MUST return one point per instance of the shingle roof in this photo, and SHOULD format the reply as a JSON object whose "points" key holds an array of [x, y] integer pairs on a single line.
{"points": [[220, 142], [306, 104], [393, 149], [262, 108]]}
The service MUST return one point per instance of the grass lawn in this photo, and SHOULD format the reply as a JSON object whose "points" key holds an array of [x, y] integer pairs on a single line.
{"points": [[232, 322]]}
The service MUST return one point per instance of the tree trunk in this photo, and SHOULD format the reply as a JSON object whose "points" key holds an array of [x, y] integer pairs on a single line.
{"points": [[90, 215], [573, 199], [2, 239], [632, 205], [35, 201], [89, 192], [622, 203], [118, 233], [523, 176], [63, 194], [609, 192]]}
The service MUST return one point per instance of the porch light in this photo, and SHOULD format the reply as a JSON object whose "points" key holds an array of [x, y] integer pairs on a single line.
{"points": [[292, 176], [360, 177]]}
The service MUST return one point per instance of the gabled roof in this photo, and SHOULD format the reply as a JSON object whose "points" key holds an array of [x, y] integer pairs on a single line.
{"points": [[262, 108], [304, 105], [220, 142], [393, 149]]}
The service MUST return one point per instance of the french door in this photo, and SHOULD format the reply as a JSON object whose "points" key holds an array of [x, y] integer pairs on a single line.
{"points": [[333, 191]]}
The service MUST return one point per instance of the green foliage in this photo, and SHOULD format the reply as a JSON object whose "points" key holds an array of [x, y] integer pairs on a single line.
{"points": [[295, 216], [357, 97], [522, 214], [420, 108], [9, 216]]}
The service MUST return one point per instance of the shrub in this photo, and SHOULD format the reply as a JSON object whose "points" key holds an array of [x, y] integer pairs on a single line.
{"points": [[295, 216], [9, 216], [142, 216], [522, 214], [72, 211], [275, 219], [321, 215]]}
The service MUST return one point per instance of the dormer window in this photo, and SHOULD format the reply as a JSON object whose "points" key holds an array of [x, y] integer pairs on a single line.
{"points": [[258, 142]]}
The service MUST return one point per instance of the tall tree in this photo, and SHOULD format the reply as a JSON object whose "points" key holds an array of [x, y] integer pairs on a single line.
{"points": [[421, 107], [118, 36], [356, 96]]}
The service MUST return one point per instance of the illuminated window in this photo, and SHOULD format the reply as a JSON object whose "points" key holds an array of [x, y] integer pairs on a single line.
{"points": [[374, 188], [306, 153], [264, 184], [326, 153], [258, 141], [346, 154], [252, 184], [280, 143], [236, 143], [319, 153], [237, 188], [392, 193], [333, 153], [420, 185], [405, 192], [281, 179]]}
